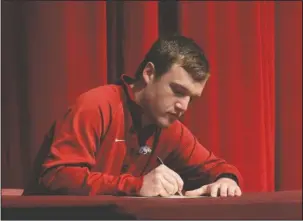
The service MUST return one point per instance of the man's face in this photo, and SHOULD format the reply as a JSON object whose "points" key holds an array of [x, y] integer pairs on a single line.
{"points": [[166, 98]]}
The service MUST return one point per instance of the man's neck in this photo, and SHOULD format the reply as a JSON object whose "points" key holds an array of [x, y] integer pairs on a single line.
{"points": [[137, 89]]}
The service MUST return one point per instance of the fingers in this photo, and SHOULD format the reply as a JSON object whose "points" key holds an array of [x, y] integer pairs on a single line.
{"points": [[197, 192], [223, 190], [231, 191], [161, 181], [238, 191], [167, 189], [177, 179], [214, 190], [176, 176], [172, 181], [234, 191]]}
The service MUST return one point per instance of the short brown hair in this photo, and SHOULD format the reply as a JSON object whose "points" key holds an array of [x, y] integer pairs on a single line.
{"points": [[180, 50]]}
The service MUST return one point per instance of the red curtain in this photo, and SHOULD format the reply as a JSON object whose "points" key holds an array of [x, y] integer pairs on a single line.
{"points": [[249, 113], [57, 50], [248, 45], [236, 113], [85, 45], [141, 30], [289, 95]]}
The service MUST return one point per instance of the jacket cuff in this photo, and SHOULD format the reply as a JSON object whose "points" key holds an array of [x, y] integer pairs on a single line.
{"points": [[129, 185], [228, 175]]}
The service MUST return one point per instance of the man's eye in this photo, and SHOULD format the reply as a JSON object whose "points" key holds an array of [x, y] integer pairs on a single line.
{"points": [[179, 94]]}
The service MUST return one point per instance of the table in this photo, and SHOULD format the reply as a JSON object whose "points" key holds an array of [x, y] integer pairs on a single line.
{"points": [[270, 205]]}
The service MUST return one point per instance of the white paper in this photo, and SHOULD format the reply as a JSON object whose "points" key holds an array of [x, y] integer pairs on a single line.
{"points": [[178, 196], [171, 197]]}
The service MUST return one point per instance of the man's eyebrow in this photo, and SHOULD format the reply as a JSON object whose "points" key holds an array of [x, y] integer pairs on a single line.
{"points": [[180, 86]]}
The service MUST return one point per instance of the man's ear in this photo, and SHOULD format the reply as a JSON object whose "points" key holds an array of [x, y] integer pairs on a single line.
{"points": [[149, 73]]}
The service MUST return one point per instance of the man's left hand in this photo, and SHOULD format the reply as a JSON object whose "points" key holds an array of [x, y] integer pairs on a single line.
{"points": [[222, 187]]}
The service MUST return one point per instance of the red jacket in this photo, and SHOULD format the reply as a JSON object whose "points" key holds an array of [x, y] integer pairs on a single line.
{"points": [[94, 148]]}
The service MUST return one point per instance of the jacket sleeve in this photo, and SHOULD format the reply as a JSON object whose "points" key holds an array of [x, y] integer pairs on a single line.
{"points": [[197, 164], [72, 154]]}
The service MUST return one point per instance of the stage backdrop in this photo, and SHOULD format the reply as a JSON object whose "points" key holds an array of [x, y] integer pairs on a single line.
{"points": [[249, 114]]}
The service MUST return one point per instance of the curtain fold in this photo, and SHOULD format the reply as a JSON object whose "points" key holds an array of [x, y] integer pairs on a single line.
{"points": [[236, 112], [80, 32], [115, 33], [288, 46], [141, 30], [249, 113]]}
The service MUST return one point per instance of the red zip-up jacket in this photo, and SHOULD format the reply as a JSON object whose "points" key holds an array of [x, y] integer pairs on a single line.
{"points": [[94, 149]]}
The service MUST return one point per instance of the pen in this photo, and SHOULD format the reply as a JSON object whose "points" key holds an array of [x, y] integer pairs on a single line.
{"points": [[180, 193]]}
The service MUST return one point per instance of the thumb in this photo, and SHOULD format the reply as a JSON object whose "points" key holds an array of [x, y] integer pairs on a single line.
{"points": [[197, 192]]}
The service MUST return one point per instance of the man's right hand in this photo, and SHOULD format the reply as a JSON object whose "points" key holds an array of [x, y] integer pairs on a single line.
{"points": [[161, 181]]}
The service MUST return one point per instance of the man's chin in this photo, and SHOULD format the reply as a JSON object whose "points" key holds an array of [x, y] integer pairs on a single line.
{"points": [[164, 123]]}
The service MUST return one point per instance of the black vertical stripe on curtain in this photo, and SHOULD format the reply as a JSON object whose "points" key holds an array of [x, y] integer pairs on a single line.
{"points": [[168, 18], [168, 24], [115, 32], [23, 96], [15, 80], [278, 151]]}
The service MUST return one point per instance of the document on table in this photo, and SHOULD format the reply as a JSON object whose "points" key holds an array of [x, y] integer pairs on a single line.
{"points": [[169, 197], [186, 197]]}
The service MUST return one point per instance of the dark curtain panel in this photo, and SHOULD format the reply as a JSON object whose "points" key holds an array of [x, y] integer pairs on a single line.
{"points": [[115, 32]]}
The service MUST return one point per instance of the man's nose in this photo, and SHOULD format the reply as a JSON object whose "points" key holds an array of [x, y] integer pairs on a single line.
{"points": [[182, 104]]}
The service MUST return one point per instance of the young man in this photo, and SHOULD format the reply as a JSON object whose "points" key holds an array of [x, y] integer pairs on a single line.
{"points": [[112, 140]]}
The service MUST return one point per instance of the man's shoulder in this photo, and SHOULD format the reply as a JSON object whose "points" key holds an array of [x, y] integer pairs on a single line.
{"points": [[177, 130], [179, 135], [100, 96], [174, 131], [104, 91]]}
